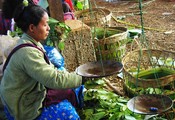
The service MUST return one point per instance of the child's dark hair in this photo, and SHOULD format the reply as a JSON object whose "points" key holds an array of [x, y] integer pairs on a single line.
{"points": [[9, 7], [26, 15], [23, 15]]}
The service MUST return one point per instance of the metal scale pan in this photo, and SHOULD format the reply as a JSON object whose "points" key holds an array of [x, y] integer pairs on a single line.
{"points": [[99, 69], [150, 104]]}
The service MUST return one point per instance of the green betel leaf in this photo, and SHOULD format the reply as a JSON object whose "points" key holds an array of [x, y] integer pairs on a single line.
{"points": [[100, 81], [79, 5], [88, 112], [49, 42], [128, 117], [61, 45], [52, 20], [98, 116]]}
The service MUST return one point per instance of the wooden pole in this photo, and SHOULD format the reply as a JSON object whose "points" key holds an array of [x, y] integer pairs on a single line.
{"points": [[1, 2], [56, 10]]}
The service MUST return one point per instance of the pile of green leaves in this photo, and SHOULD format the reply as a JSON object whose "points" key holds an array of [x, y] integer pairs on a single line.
{"points": [[101, 104]]}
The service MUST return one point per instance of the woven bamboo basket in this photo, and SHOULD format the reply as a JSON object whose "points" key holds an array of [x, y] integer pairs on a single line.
{"points": [[112, 47], [94, 16], [147, 59]]}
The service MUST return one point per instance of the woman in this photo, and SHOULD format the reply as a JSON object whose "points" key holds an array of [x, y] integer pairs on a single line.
{"points": [[27, 75]]}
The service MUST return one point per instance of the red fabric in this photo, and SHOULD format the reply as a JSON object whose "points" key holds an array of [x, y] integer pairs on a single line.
{"points": [[55, 96], [70, 4]]}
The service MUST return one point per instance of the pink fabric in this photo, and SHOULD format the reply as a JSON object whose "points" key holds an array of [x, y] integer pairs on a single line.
{"points": [[69, 16], [36, 1]]}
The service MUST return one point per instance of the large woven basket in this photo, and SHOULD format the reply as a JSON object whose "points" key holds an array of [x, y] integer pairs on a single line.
{"points": [[146, 59], [94, 16], [112, 47]]}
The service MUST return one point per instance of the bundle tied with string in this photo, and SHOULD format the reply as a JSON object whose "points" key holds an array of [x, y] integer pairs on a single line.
{"points": [[148, 68]]}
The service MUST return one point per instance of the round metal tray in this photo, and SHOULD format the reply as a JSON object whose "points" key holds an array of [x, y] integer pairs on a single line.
{"points": [[150, 104], [99, 69]]}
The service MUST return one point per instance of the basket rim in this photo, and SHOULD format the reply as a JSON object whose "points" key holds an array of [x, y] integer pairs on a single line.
{"points": [[93, 9], [112, 38], [123, 29], [145, 49], [106, 17]]}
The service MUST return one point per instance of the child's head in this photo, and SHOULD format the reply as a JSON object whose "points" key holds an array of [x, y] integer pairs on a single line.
{"points": [[9, 7], [31, 18]]}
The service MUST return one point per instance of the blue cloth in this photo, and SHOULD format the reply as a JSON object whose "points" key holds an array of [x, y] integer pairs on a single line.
{"points": [[9, 117], [62, 111], [79, 95]]}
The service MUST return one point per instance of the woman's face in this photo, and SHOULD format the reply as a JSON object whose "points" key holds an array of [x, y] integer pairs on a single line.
{"points": [[41, 31]]}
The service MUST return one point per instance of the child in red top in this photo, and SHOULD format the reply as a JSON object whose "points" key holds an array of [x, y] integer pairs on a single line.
{"points": [[70, 4]]}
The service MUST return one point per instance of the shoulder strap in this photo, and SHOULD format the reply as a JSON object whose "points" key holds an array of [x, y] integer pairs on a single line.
{"points": [[21, 46]]}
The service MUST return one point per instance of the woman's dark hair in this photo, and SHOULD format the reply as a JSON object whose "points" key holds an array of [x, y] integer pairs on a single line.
{"points": [[26, 15]]}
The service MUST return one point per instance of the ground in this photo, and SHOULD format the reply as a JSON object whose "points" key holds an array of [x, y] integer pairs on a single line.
{"points": [[158, 21]]}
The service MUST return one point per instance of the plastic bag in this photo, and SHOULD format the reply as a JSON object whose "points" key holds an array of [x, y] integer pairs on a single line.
{"points": [[55, 57]]}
